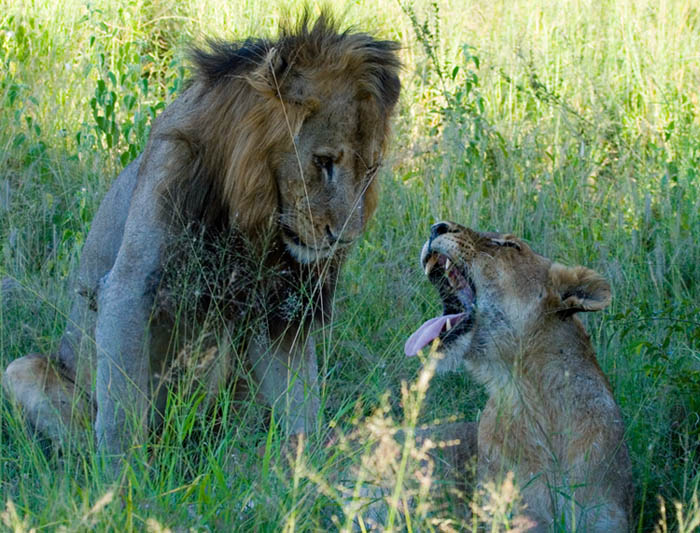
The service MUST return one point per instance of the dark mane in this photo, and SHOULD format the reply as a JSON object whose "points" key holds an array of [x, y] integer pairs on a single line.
{"points": [[224, 59], [306, 42]]}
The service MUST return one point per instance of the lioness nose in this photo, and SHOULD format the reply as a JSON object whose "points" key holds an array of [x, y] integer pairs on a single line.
{"points": [[438, 229]]}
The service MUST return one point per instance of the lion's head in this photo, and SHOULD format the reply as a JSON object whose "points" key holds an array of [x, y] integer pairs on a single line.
{"points": [[288, 135], [498, 295]]}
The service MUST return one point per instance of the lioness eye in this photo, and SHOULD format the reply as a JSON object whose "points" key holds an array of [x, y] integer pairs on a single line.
{"points": [[506, 243], [324, 164]]}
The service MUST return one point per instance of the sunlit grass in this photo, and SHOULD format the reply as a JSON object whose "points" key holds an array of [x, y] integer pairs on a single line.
{"points": [[588, 145]]}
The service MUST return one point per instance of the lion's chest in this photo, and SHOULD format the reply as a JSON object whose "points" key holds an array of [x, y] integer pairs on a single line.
{"points": [[219, 280]]}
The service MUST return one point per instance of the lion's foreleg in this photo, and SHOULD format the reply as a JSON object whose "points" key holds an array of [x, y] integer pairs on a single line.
{"points": [[77, 349], [287, 375], [122, 368], [125, 303]]}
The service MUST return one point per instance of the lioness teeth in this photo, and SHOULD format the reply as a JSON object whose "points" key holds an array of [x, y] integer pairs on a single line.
{"points": [[447, 264], [448, 325], [430, 263], [451, 278]]}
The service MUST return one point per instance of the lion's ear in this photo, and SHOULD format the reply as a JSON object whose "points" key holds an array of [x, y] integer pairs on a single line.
{"points": [[267, 76], [579, 289], [277, 79]]}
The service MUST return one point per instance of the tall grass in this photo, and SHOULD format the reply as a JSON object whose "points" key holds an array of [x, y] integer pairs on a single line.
{"points": [[575, 124]]}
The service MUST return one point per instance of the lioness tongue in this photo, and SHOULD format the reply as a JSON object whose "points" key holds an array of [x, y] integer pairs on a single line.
{"points": [[429, 331]]}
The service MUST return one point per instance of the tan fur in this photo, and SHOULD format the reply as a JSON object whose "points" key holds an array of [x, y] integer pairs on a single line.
{"points": [[551, 417], [57, 413], [262, 175]]}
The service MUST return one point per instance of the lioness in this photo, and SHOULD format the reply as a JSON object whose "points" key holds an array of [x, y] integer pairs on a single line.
{"points": [[261, 175], [510, 315]]}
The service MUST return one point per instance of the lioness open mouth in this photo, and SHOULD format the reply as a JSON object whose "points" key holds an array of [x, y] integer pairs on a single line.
{"points": [[458, 298]]}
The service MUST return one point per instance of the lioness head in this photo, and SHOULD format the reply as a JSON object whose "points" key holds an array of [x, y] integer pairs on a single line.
{"points": [[497, 294]]}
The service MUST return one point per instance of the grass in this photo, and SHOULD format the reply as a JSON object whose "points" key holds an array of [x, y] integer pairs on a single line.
{"points": [[574, 124]]}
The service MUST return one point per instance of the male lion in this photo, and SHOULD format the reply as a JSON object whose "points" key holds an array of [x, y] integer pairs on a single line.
{"points": [[267, 160], [551, 419]]}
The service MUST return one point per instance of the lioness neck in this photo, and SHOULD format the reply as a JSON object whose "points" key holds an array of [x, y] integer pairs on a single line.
{"points": [[548, 368]]}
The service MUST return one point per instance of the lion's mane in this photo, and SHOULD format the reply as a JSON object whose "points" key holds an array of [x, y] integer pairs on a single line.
{"points": [[244, 104], [249, 100]]}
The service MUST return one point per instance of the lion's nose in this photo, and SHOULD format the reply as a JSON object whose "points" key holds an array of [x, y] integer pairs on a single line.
{"points": [[332, 237], [439, 228]]}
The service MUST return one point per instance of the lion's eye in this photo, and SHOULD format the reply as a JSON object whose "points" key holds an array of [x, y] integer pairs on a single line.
{"points": [[325, 164], [371, 173]]}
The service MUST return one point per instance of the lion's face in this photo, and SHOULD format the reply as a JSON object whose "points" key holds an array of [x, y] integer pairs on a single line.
{"points": [[497, 294], [322, 180], [287, 136]]}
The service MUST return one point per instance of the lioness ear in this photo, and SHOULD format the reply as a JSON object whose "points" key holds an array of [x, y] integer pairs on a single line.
{"points": [[579, 288]]}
